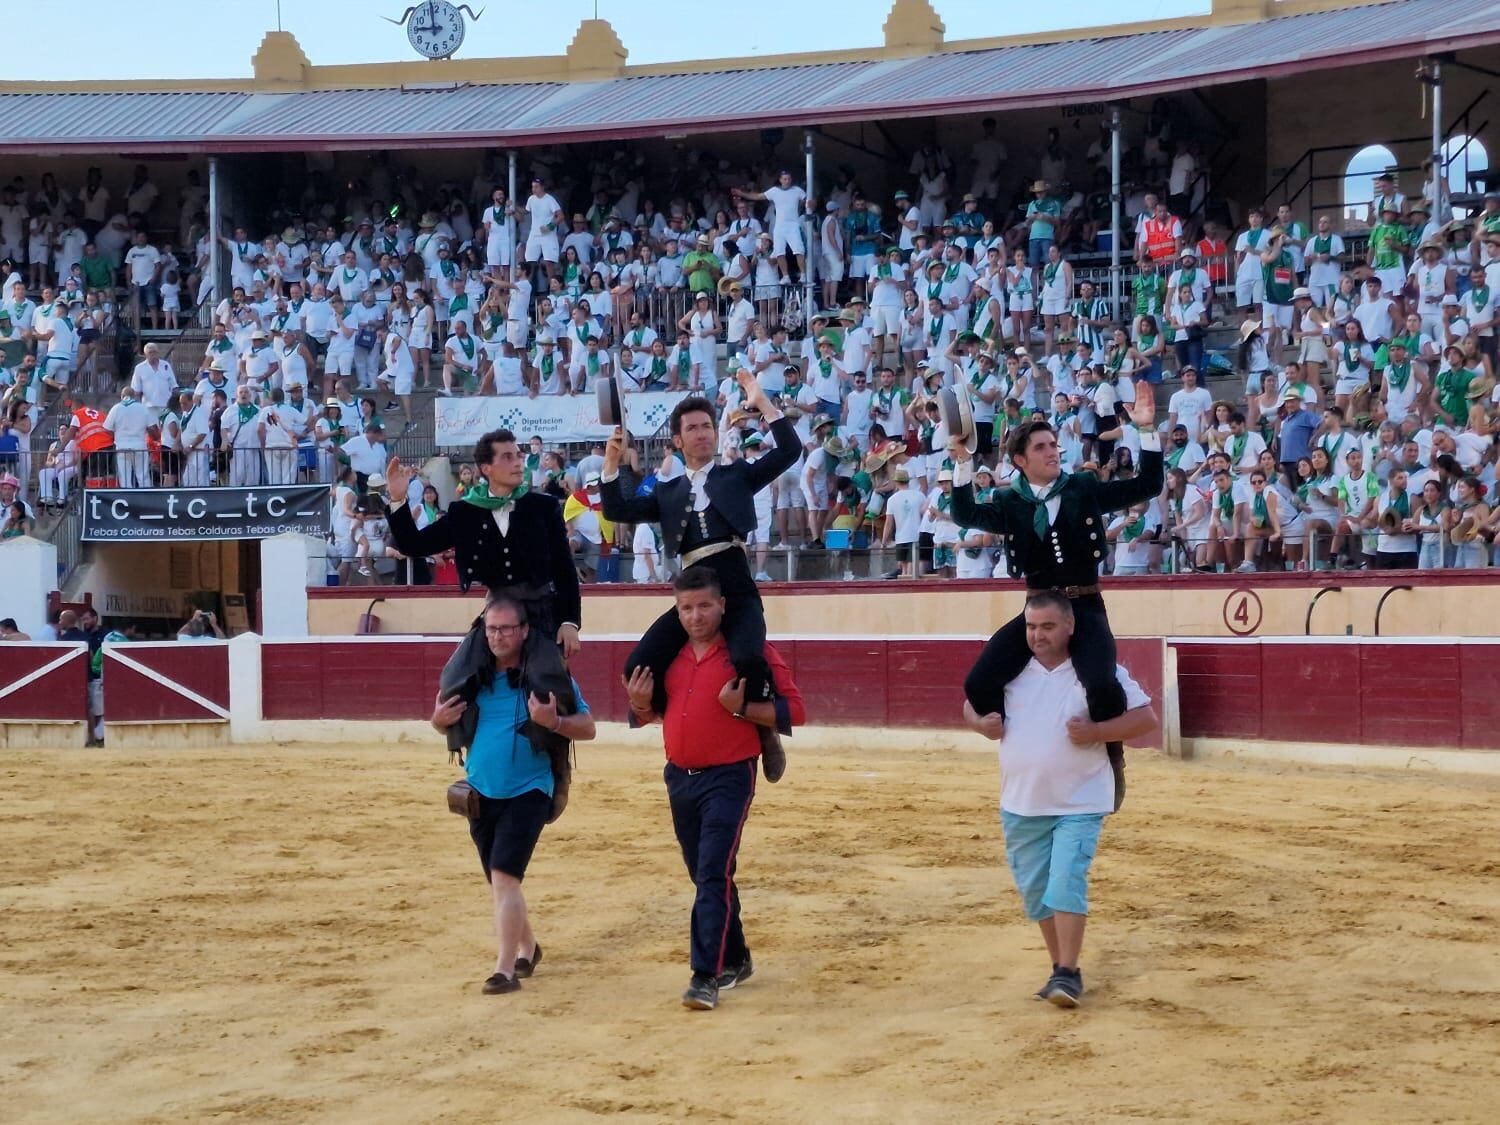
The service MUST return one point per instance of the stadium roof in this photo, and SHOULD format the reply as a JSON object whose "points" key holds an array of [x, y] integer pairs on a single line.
{"points": [[951, 82]]}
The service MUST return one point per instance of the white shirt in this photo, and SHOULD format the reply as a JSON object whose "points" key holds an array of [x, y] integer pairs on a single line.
{"points": [[905, 508], [543, 210], [128, 420], [154, 384], [788, 204], [1043, 773], [1191, 407], [142, 261]]}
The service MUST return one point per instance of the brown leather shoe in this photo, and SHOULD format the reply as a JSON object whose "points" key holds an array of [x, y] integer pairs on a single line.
{"points": [[1116, 752], [772, 755]]}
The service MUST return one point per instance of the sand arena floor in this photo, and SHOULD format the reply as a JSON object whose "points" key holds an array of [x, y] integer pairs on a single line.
{"points": [[276, 934]]}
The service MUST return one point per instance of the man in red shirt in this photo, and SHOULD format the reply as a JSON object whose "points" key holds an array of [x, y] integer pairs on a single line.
{"points": [[712, 746]]}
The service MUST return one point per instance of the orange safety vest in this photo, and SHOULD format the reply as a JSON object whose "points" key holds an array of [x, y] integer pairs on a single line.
{"points": [[92, 436], [1214, 254], [1159, 239]]}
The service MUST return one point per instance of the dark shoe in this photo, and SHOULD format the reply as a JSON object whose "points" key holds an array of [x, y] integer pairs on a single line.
{"points": [[1065, 988], [739, 975], [1116, 752], [499, 983], [772, 755], [1039, 994], [702, 994], [562, 778], [525, 966]]}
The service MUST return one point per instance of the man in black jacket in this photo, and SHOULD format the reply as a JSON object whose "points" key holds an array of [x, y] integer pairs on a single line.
{"points": [[1052, 524], [511, 540], [705, 515]]}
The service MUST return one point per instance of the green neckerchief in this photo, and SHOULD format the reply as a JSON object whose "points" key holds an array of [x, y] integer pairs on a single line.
{"points": [[467, 344], [246, 411], [548, 364], [1237, 443], [1303, 489], [582, 332], [448, 268], [570, 275], [1260, 515], [826, 367], [658, 367], [684, 361], [1330, 444], [1226, 504], [1049, 271], [1116, 360], [886, 399], [1134, 529], [1402, 505], [945, 502], [637, 337], [1185, 277], [1022, 488], [1252, 236], [1175, 457], [950, 272], [1398, 375], [479, 496], [936, 330], [1352, 357], [430, 511], [883, 270], [1322, 245], [591, 361], [459, 303], [934, 290], [1480, 297], [1429, 515]]}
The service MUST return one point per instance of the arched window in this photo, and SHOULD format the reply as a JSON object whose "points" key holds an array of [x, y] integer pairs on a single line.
{"points": [[1463, 156], [1359, 178]]}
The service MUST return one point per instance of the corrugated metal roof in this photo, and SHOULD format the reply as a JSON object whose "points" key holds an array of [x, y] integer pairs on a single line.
{"points": [[951, 82], [397, 113], [106, 118]]}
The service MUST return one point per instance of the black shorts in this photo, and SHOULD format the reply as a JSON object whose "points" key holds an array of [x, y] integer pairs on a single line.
{"points": [[507, 831]]}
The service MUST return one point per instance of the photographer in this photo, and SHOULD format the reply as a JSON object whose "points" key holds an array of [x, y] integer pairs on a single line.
{"points": [[202, 626]]}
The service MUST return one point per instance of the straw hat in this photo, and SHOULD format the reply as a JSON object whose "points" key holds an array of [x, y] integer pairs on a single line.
{"points": [[836, 448], [1248, 329], [876, 459], [821, 420], [375, 480], [1480, 387], [428, 221]]}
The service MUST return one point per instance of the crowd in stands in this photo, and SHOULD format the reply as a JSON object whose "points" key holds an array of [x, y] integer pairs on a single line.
{"points": [[1353, 423]]}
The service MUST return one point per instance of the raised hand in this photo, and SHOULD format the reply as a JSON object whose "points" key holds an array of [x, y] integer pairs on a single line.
{"points": [[1143, 413], [397, 477]]}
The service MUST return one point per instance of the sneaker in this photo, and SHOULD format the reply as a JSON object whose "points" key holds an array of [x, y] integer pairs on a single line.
{"points": [[702, 994], [1245, 568], [445, 392], [392, 407], [888, 575], [1065, 988], [738, 975], [525, 966], [498, 984], [366, 571], [772, 755], [762, 576], [1039, 994]]}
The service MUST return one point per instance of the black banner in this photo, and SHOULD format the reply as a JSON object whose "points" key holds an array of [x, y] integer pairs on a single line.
{"points": [[139, 515]]}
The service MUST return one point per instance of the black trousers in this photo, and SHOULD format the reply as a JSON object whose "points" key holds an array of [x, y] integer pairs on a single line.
{"points": [[1092, 650], [744, 632], [709, 808], [1395, 560]]}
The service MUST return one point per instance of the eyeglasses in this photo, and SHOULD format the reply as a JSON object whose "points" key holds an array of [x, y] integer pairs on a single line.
{"points": [[502, 630]]}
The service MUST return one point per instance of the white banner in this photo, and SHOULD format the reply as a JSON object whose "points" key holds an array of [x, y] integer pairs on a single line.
{"points": [[553, 418]]}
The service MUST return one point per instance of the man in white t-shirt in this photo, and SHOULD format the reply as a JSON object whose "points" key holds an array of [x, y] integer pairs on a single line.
{"points": [[153, 381], [144, 261], [546, 217], [1192, 405], [1057, 786], [128, 420], [903, 520], [789, 202]]}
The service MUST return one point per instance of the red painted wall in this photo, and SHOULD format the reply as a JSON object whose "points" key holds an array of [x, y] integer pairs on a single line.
{"points": [[868, 683], [58, 695], [1376, 693], [131, 697]]}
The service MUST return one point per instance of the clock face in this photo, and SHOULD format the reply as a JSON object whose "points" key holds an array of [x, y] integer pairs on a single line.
{"points": [[435, 29]]}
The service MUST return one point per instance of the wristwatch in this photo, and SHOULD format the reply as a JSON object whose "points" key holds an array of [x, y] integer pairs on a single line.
{"points": [[739, 715]]}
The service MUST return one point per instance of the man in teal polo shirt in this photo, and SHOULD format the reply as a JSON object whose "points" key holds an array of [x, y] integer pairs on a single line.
{"points": [[514, 780]]}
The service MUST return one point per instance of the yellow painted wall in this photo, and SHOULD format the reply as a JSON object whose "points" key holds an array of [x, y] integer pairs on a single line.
{"points": [[1468, 610]]}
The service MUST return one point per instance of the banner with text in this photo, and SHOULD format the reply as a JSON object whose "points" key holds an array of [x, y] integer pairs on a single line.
{"points": [[119, 515], [553, 418]]}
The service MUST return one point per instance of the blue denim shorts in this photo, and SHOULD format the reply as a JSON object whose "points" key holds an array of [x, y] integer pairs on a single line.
{"points": [[1036, 251], [1049, 859]]}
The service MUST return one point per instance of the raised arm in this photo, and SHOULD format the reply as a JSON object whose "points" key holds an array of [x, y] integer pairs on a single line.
{"points": [[966, 512], [619, 508]]}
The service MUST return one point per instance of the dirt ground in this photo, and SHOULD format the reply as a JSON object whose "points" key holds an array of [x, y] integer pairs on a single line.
{"points": [[274, 934]]}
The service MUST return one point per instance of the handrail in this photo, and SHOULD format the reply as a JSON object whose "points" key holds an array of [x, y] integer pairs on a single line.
{"points": [[1307, 624], [1460, 118], [1381, 605]]}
